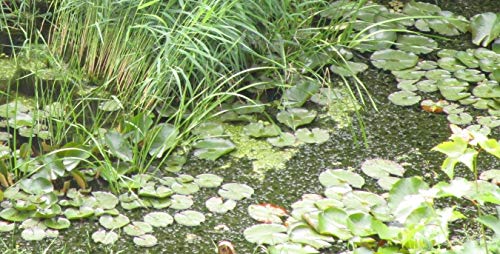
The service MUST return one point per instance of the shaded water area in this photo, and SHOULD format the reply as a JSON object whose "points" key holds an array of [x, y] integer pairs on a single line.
{"points": [[403, 134]]}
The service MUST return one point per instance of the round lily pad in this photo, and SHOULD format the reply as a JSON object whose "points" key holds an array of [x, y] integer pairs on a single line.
{"points": [[6, 226], [217, 205], [181, 202], [348, 68], [292, 248], [138, 228], [404, 98], [105, 200], [113, 222], [261, 130], [208, 180], [266, 234], [427, 65], [378, 168], [185, 188], [235, 191], [314, 136], [295, 117], [267, 213], [283, 140], [450, 64], [105, 237], [489, 121], [393, 60], [33, 234], [437, 74], [460, 119], [487, 90], [76, 214], [468, 59], [12, 214], [145, 240], [158, 219], [454, 93], [189, 218], [416, 43], [427, 86], [337, 177], [407, 85], [213, 148], [409, 74], [150, 190], [59, 223], [470, 75]]}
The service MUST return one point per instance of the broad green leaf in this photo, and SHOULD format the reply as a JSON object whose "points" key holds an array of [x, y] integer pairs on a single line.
{"points": [[235, 191], [113, 222], [416, 43], [145, 240], [218, 205], [158, 219], [393, 60], [266, 213], [138, 228], [348, 68], [266, 234], [485, 28], [339, 177], [404, 98], [378, 168], [295, 117], [118, 145], [261, 130], [160, 139], [208, 180], [105, 237], [189, 218], [314, 136], [305, 235], [333, 221], [283, 140], [213, 148]]}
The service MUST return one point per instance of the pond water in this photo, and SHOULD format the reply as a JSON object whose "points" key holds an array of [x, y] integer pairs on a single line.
{"points": [[405, 135]]}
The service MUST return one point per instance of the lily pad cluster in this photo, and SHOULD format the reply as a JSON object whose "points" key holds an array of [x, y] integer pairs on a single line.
{"points": [[402, 219], [42, 211]]}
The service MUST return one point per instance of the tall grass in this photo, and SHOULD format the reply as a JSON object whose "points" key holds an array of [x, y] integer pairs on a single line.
{"points": [[189, 56]]}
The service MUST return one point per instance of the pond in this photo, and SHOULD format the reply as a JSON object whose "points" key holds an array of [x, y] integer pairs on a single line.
{"points": [[280, 177]]}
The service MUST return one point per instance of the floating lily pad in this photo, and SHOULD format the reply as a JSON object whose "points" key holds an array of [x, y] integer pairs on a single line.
{"points": [[283, 140], [105, 200], [404, 98], [306, 235], [208, 130], [298, 94], [433, 106], [174, 163], [410, 74], [217, 205], [450, 64], [489, 121], [491, 175], [487, 90], [386, 182], [467, 58], [81, 213], [416, 43], [485, 28], [208, 180], [248, 107], [453, 93], [348, 69], [59, 223], [158, 219], [470, 75], [427, 65], [421, 9], [452, 82], [6, 226], [189, 218], [12, 214], [138, 228], [296, 117], [111, 105], [145, 240], [378, 168], [33, 234], [292, 248], [460, 119], [266, 234], [438, 74], [267, 213], [213, 148], [36, 186], [181, 202], [113, 222], [185, 188], [235, 191], [261, 130], [427, 86], [150, 190], [105, 237], [407, 85], [337, 177], [314, 136], [393, 60]]}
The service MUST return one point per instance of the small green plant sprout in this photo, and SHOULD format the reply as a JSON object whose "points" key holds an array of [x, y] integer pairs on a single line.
{"points": [[464, 147]]}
